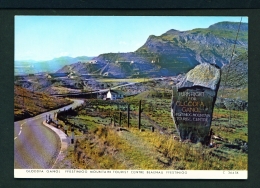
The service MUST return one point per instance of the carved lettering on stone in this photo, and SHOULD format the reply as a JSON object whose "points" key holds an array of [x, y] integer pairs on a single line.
{"points": [[193, 102]]}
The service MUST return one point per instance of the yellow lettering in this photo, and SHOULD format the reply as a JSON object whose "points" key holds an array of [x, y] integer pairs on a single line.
{"points": [[185, 109], [195, 103]]}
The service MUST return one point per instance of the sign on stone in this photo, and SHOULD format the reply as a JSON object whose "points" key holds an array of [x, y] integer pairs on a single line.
{"points": [[193, 101]]}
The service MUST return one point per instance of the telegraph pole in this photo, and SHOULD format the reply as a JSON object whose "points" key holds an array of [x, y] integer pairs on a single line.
{"points": [[139, 117]]}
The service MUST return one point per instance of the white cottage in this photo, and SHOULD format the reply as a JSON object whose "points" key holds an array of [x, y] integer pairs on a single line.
{"points": [[114, 94]]}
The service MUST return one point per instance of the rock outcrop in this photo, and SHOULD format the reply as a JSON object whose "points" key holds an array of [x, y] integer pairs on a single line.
{"points": [[193, 101]]}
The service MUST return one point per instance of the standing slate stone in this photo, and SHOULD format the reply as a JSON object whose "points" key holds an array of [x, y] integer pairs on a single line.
{"points": [[193, 101]]}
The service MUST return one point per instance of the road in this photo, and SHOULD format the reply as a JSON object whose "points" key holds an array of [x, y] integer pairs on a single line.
{"points": [[36, 146]]}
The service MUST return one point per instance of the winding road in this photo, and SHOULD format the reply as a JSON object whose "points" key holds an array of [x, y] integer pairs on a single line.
{"points": [[35, 145]]}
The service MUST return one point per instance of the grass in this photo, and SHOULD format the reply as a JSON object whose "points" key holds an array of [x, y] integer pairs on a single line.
{"points": [[134, 80], [104, 147], [233, 94], [99, 148], [89, 121], [28, 104], [108, 147], [192, 157], [237, 129]]}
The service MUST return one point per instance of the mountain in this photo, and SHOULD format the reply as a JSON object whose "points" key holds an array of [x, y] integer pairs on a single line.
{"points": [[232, 26], [171, 53], [31, 66]]}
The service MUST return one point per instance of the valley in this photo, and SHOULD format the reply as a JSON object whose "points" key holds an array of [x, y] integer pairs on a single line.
{"points": [[125, 121]]}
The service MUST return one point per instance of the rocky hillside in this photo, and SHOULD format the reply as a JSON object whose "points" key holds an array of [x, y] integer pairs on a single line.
{"points": [[234, 79], [172, 53], [28, 104], [211, 45]]}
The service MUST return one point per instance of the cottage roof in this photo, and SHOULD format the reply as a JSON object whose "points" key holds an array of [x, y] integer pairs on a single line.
{"points": [[119, 92]]}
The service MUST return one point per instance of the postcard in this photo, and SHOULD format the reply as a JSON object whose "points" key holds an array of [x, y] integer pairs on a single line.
{"points": [[131, 97]]}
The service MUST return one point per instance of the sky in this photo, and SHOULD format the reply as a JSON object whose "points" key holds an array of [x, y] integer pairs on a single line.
{"points": [[46, 37]]}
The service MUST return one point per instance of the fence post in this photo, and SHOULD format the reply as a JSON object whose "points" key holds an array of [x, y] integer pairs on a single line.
{"points": [[128, 115], [120, 117], [114, 121], [139, 117], [72, 135]]}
